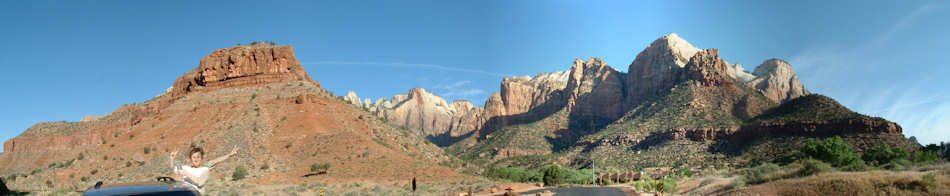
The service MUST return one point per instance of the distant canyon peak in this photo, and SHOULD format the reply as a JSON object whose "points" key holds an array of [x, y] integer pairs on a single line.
{"points": [[591, 88]]}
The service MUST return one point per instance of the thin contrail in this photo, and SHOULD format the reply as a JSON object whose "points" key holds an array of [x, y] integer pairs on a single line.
{"points": [[431, 66]]}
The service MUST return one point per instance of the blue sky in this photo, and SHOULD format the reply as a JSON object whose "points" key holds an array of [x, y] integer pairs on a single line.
{"points": [[63, 60]]}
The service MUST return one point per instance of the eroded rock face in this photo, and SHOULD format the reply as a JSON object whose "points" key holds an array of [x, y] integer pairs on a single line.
{"points": [[709, 69], [657, 66], [242, 66], [521, 94], [352, 98], [429, 114], [777, 81], [595, 89]]}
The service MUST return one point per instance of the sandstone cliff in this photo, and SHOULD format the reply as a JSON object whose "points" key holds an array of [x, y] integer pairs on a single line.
{"points": [[257, 98], [242, 66], [656, 67], [777, 81], [428, 114], [595, 90]]}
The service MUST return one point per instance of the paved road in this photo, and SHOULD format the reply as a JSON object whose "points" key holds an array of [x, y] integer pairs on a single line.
{"points": [[585, 191]]}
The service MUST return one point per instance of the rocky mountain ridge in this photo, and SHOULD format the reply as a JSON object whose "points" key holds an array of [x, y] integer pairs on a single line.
{"points": [[257, 98], [593, 89]]}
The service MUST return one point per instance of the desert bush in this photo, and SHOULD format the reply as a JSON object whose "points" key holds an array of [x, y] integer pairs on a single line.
{"points": [[669, 185], [761, 173], [146, 150], [737, 183], [319, 168], [812, 166], [884, 154], [833, 150], [930, 181], [899, 164], [859, 166], [553, 175], [665, 185], [239, 173]]}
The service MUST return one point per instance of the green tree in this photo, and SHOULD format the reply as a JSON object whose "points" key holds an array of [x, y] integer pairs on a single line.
{"points": [[553, 175], [833, 150], [884, 154]]}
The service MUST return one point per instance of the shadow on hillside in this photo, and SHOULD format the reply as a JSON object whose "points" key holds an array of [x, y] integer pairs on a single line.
{"points": [[446, 139], [5, 191], [535, 114], [655, 139]]}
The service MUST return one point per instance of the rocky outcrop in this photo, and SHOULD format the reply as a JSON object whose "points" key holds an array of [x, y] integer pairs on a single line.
{"points": [[521, 94], [242, 66], [738, 72], [699, 134], [352, 98], [89, 118], [595, 89], [428, 114], [656, 67], [709, 69], [777, 81]]}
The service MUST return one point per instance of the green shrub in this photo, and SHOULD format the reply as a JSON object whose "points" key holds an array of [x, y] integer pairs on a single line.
{"points": [[553, 175], [665, 185], [884, 154], [669, 185], [899, 164], [833, 150], [930, 181], [239, 173], [812, 166], [924, 156], [860, 166], [577, 176], [146, 150], [93, 172], [514, 174], [761, 173], [319, 168], [737, 183]]}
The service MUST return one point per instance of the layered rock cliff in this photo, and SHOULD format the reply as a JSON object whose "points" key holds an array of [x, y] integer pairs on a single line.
{"points": [[256, 98], [242, 66]]}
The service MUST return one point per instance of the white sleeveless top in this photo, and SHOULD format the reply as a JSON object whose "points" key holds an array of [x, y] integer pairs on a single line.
{"points": [[201, 173]]}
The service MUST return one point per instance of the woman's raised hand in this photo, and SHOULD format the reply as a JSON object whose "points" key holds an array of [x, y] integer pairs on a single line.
{"points": [[233, 151], [174, 153]]}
